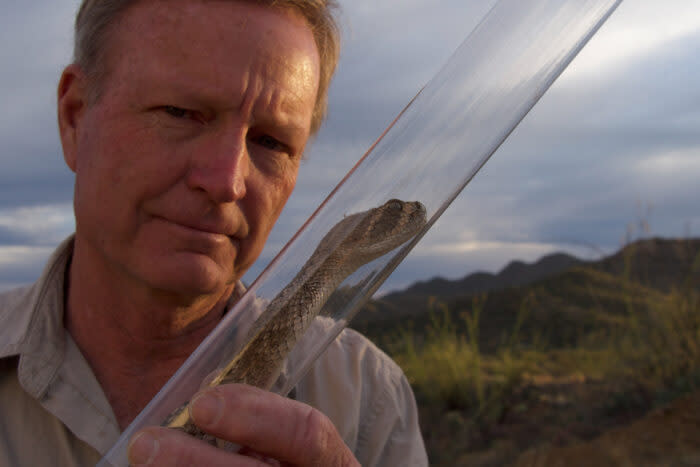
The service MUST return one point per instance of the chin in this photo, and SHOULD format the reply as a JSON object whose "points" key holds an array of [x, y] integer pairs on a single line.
{"points": [[192, 280]]}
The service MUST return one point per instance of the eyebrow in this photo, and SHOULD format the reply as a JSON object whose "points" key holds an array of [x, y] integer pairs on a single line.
{"points": [[276, 105], [283, 108]]}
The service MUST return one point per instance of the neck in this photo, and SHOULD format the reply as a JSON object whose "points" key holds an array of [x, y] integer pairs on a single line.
{"points": [[134, 338]]}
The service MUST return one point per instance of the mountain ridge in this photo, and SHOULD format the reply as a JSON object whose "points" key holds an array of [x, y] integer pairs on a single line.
{"points": [[654, 263], [515, 273]]}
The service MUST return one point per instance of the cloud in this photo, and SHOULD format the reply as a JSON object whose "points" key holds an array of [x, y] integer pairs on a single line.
{"points": [[618, 130], [37, 225], [634, 31], [391, 49], [36, 44], [574, 172]]}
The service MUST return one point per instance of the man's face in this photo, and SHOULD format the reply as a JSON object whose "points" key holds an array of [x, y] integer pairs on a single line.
{"points": [[184, 163]]}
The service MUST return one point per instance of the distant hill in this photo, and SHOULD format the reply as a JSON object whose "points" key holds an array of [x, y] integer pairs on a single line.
{"points": [[516, 273], [416, 298], [561, 294], [657, 262]]}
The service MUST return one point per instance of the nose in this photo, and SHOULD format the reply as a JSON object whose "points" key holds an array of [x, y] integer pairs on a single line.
{"points": [[220, 168]]}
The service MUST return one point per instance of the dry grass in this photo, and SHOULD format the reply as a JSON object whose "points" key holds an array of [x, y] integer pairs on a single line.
{"points": [[646, 356]]}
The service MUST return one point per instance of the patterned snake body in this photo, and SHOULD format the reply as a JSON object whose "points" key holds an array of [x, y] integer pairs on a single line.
{"points": [[351, 243]]}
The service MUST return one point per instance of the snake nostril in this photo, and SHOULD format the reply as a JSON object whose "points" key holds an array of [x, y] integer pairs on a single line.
{"points": [[395, 204]]}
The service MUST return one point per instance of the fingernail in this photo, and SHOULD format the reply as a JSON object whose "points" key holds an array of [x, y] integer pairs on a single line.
{"points": [[143, 449], [206, 408]]}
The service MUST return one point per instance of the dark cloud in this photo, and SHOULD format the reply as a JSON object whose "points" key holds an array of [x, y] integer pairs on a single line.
{"points": [[12, 237], [35, 190], [35, 38], [580, 167]]}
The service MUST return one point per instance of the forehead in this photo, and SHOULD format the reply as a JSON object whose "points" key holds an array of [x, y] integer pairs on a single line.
{"points": [[221, 46]]}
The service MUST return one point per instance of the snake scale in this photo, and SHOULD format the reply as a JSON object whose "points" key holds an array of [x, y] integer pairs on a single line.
{"points": [[354, 241]]}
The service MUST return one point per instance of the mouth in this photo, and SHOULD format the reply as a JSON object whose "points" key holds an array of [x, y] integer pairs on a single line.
{"points": [[204, 229]]}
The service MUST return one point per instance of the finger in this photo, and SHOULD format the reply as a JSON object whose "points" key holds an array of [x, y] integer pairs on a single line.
{"points": [[256, 455], [157, 446], [270, 424]]}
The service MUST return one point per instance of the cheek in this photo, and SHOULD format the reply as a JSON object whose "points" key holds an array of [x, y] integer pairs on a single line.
{"points": [[93, 175], [282, 192], [127, 161], [265, 201]]}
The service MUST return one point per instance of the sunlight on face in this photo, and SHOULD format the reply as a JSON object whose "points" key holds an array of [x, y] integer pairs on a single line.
{"points": [[185, 162]]}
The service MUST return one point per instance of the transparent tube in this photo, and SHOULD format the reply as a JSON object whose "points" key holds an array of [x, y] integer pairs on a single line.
{"points": [[428, 154]]}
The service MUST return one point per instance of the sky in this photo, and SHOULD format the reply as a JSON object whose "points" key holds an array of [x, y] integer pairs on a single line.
{"points": [[611, 152]]}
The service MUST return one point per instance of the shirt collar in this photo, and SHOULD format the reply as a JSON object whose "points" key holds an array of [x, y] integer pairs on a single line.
{"points": [[33, 327]]}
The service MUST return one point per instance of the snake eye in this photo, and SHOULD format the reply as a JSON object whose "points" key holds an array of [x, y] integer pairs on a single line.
{"points": [[395, 204]]}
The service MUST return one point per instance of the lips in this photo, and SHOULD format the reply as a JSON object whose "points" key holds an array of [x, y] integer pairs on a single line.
{"points": [[231, 228], [195, 217], [207, 228], [217, 228]]}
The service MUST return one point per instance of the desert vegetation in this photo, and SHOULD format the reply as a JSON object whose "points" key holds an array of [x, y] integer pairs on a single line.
{"points": [[556, 362]]}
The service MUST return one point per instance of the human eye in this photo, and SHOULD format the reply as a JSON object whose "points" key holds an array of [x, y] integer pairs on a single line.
{"points": [[180, 113], [270, 143], [272, 154]]}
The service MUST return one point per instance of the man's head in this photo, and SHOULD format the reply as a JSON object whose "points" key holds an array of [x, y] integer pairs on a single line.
{"points": [[191, 148], [95, 18]]}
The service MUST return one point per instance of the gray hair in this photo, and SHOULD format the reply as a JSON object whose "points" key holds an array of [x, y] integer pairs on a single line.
{"points": [[92, 29]]}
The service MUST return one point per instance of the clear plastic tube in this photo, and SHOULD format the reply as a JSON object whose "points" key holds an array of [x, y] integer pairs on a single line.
{"points": [[429, 154]]}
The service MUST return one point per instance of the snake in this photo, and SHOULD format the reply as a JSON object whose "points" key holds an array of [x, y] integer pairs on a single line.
{"points": [[354, 241]]}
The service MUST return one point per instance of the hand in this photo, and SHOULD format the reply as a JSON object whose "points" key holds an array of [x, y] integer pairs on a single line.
{"points": [[273, 430]]}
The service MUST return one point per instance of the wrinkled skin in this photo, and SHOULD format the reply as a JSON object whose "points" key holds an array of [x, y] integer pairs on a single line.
{"points": [[183, 165]]}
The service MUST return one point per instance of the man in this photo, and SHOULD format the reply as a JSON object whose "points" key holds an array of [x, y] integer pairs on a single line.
{"points": [[184, 122]]}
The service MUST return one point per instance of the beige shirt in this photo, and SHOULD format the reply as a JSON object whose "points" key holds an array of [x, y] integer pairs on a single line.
{"points": [[53, 411]]}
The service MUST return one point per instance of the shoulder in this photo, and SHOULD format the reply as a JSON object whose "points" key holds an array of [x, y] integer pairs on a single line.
{"points": [[21, 307], [352, 363], [15, 315], [354, 350], [368, 398], [14, 297]]}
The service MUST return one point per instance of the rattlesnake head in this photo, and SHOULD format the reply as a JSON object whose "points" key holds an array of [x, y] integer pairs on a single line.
{"points": [[368, 235]]}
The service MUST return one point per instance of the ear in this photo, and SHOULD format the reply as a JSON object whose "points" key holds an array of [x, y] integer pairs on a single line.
{"points": [[72, 104]]}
